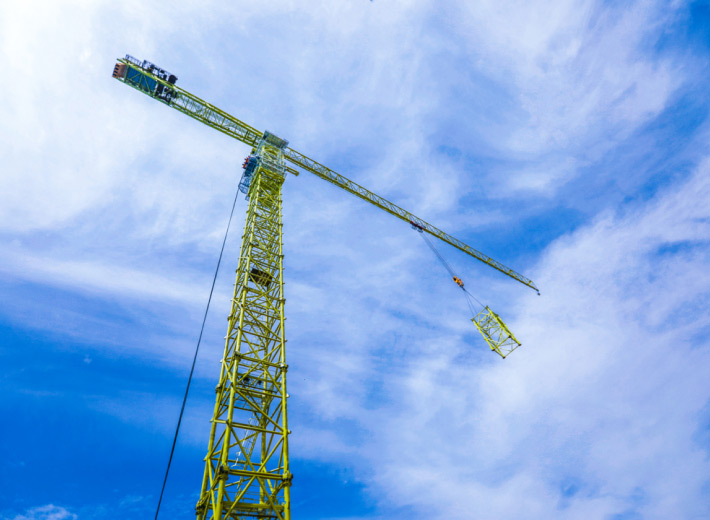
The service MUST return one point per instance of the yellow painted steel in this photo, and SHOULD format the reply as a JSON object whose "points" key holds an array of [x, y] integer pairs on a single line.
{"points": [[247, 472], [210, 115], [247, 466], [495, 332]]}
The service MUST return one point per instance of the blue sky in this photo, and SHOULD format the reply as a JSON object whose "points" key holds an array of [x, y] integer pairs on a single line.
{"points": [[567, 139]]}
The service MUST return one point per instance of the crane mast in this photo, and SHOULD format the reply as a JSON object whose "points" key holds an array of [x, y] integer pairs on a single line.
{"points": [[247, 468], [247, 473]]}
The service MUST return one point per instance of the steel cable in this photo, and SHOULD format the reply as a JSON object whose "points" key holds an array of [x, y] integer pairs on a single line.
{"points": [[194, 359], [443, 261], [438, 255]]}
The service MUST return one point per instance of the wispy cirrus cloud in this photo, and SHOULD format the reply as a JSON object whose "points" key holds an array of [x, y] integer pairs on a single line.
{"points": [[578, 80]]}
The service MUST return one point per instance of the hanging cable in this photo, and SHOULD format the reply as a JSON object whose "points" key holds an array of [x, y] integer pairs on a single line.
{"points": [[194, 359], [438, 255], [468, 296], [446, 265], [472, 296]]}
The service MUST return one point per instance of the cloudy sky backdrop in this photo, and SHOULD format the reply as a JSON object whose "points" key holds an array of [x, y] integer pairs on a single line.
{"points": [[567, 139]]}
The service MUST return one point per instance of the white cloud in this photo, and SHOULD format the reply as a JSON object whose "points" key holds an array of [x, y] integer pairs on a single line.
{"points": [[76, 143], [48, 512], [101, 278], [582, 73]]}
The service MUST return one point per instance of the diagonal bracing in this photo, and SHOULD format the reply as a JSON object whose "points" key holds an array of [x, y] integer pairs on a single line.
{"points": [[247, 467]]}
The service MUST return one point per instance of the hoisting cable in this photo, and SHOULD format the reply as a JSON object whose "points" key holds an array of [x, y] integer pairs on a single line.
{"points": [[470, 304], [438, 255], [443, 261], [194, 359]]}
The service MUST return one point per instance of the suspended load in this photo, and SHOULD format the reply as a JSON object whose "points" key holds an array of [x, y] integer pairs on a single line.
{"points": [[495, 332]]}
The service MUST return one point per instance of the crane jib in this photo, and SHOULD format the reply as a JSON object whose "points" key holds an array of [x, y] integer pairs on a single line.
{"points": [[156, 82], [329, 175]]}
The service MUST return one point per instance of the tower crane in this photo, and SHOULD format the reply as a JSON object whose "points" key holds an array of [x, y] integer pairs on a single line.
{"points": [[247, 473]]}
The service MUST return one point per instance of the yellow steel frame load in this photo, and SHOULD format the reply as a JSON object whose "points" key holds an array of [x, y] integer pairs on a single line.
{"points": [[495, 332], [247, 467]]}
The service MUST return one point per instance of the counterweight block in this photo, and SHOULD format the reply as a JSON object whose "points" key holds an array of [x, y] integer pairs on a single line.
{"points": [[495, 332]]}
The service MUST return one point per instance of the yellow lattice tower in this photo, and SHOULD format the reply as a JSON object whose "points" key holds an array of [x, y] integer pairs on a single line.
{"points": [[247, 467]]}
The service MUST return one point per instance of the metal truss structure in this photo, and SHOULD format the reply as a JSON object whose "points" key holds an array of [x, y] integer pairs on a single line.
{"points": [[210, 115], [247, 473], [495, 332], [247, 468]]}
